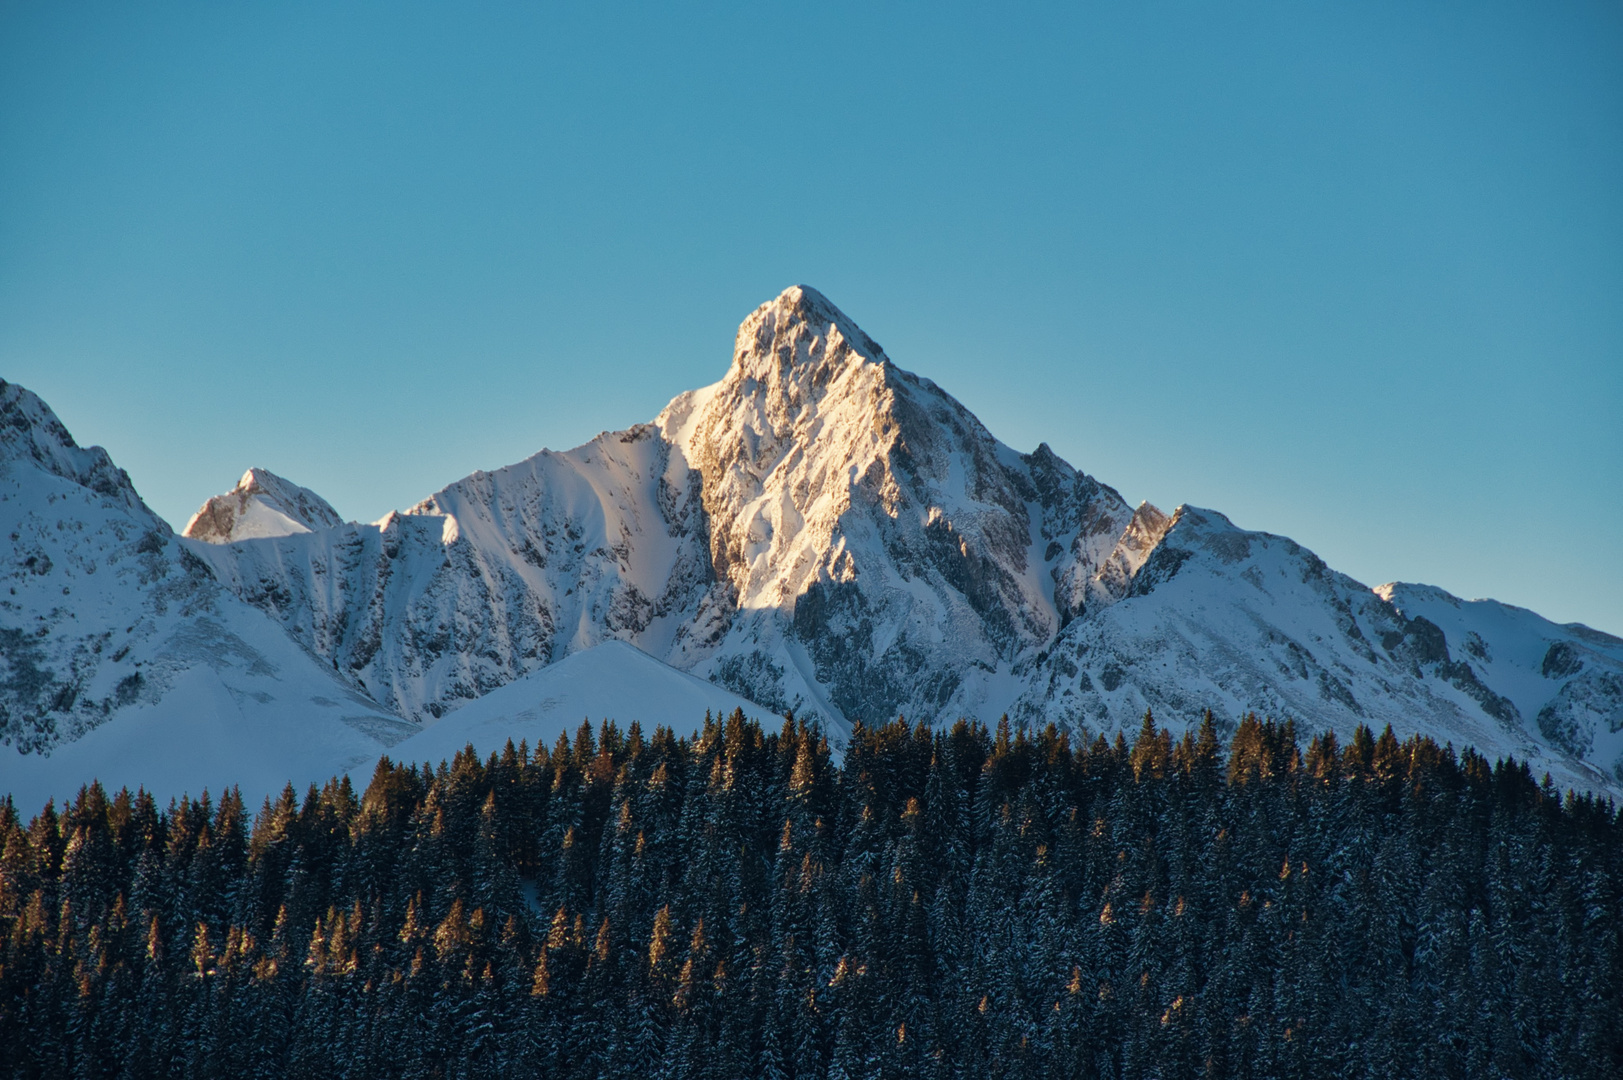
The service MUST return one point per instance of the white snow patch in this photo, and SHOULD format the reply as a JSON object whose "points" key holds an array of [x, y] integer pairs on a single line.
{"points": [[613, 681]]}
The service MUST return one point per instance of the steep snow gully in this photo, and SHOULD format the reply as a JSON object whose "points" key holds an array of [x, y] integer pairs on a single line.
{"points": [[819, 531]]}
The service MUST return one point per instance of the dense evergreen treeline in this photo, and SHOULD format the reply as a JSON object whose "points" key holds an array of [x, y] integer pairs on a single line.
{"points": [[942, 904]]}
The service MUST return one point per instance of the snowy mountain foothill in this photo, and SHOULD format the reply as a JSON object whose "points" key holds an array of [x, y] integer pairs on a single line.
{"points": [[820, 532]]}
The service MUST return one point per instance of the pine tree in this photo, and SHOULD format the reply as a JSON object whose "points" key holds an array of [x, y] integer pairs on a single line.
{"points": [[940, 904]]}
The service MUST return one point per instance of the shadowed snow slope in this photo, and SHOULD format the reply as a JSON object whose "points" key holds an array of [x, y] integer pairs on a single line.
{"points": [[612, 681], [122, 658]]}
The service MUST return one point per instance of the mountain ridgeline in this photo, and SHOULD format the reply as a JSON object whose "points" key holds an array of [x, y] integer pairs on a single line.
{"points": [[825, 532], [956, 903], [821, 531]]}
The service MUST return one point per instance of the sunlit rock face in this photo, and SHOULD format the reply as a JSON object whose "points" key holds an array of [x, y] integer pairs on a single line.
{"points": [[883, 553], [261, 505], [825, 532]]}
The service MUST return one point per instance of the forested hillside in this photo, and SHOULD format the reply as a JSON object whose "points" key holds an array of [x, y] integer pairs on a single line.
{"points": [[966, 903]]}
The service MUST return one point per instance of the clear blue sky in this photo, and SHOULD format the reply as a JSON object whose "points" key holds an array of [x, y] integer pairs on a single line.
{"points": [[1348, 272]]}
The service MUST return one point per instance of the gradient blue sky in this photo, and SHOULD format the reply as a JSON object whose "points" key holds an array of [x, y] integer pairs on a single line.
{"points": [[1348, 272]]}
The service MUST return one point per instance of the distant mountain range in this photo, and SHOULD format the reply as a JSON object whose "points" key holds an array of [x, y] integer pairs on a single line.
{"points": [[820, 532]]}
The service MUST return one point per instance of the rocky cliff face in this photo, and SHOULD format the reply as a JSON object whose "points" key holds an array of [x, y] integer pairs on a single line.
{"points": [[825, 532]]}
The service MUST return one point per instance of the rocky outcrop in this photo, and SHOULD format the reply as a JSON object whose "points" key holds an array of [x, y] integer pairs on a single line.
{"points": [[31, 435]]}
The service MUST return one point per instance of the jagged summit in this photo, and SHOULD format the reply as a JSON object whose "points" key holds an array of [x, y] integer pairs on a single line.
{"points": [[261, 505], [906, 547], [807, 389], [800, 328]]}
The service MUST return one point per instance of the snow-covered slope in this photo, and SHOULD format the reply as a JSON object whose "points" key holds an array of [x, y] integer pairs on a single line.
{"points": [[122, 658], [1566, 680], [824, 532], [262, 504], [612, 681], [1221, 618]]}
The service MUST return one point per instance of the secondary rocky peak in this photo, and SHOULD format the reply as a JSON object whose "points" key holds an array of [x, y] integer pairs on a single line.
{"points": [[261, 505]]}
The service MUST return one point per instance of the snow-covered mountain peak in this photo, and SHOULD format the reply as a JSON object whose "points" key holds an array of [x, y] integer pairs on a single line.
{"points": [[1403, 594], [30, 432], [874, 537], [788, 356], [805, 405], [799, 331], [261, 505], [1208, 529]]}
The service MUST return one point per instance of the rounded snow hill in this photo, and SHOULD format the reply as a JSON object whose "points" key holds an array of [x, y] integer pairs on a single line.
{"points": [[612, 681]]}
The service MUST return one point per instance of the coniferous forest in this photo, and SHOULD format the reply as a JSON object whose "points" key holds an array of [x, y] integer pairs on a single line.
{"points": [[969, 903]]}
